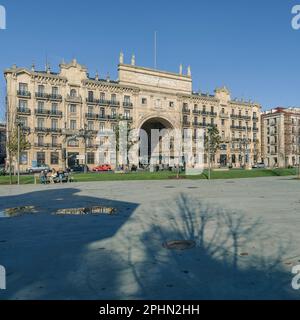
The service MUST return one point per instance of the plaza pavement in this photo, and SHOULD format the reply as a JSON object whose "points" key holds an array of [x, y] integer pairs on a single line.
{"points": [[246, 231]]}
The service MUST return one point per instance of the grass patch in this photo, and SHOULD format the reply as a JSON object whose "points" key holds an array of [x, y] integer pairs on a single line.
{"points": [[231, 174]]}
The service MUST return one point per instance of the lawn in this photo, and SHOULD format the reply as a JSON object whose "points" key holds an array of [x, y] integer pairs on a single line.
{"points": [[231, 174]]}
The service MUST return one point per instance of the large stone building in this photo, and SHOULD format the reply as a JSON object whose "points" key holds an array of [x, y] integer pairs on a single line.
{"points": [[54, 107], [281, 137]]}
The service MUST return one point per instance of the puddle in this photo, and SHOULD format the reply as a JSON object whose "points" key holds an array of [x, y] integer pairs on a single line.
{"points": [[87, 211], [179, 244], [16, 212]]}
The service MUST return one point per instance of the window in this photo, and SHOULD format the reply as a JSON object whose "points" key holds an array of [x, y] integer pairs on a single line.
{"points": [[90, 96], [90, 125], [144, 101], [90, 158], [40, 122], [40, 106], [102, 96], [40, 156], [223, 122], [54, 124], [41, 89], [204, 108], [23, 104], [127, 99], [23, 158], [73, 125], [212, 121], [102, 113], [204, 121], [90, 110], [113, 98], [73, 93], [113, 127], [54, 107], [54, 158], [212, 109], [73, 108], [23, 87], [102, 127], [54, 141], [171, 104], [127, 114], [54, 91], [23, 121], [223, 111], [113, 113], [40, 140]]}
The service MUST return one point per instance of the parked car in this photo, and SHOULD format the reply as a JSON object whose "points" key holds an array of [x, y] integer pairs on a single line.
{"points": [[260, 165], [38, 169], [78, 168], [102, 168]]}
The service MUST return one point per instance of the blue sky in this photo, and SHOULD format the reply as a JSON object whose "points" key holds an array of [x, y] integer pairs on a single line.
{"points": [[247, 45]]}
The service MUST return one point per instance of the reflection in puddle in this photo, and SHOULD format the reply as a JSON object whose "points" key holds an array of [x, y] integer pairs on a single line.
{"points": [[86, 211], [16, 212]]}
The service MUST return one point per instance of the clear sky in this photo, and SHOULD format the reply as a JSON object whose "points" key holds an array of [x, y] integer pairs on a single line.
{"points": [[247, 45]]}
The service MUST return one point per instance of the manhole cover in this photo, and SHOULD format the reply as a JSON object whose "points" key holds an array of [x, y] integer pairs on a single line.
{"points": [[179, 244]]}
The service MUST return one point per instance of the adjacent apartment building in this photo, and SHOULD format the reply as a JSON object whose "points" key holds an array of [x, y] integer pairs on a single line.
{"points": [[62, 112], [281, 137]]}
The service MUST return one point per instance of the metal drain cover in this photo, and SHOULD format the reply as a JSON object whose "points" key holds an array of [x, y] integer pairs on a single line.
{"points": [[179, 244]]}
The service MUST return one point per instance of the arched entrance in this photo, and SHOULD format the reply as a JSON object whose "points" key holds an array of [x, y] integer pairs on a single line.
{"points": [[153, 127]]}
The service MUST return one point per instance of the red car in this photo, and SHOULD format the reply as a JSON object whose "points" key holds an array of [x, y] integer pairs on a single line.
{"points": [[102, 168]]}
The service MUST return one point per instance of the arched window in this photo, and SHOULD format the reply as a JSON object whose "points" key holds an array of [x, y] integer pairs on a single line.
{"points": [[73, 93]]}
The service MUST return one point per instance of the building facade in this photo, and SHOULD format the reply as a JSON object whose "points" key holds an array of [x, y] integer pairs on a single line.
{"points": [[281, 137], [2, 143], [61, 113]]}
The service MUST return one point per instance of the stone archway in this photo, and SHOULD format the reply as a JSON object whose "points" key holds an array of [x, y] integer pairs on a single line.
{"points": [[154, 123]]}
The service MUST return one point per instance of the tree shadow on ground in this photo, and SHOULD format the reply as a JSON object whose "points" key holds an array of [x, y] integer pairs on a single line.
{"points": [[48, 256], [230, 260]]}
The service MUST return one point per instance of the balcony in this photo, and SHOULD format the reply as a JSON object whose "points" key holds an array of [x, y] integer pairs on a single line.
{"points": [[224, 115], [125, 118], [102, 117], [69, 132], [92, 116], [91, 100], [255, 129], [24, 94], [112, 118], [74, 99], [238, 127], [186, 124], [114, 103], [186, 110], [195, 123], [55, 97], [41, 129], [41, 95], [24, 111], [104, 102], [128, 105], [204, 113], [255, 119], [25, 129], [55, 113], [54, 130], [41, 112], [56, 145]]}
